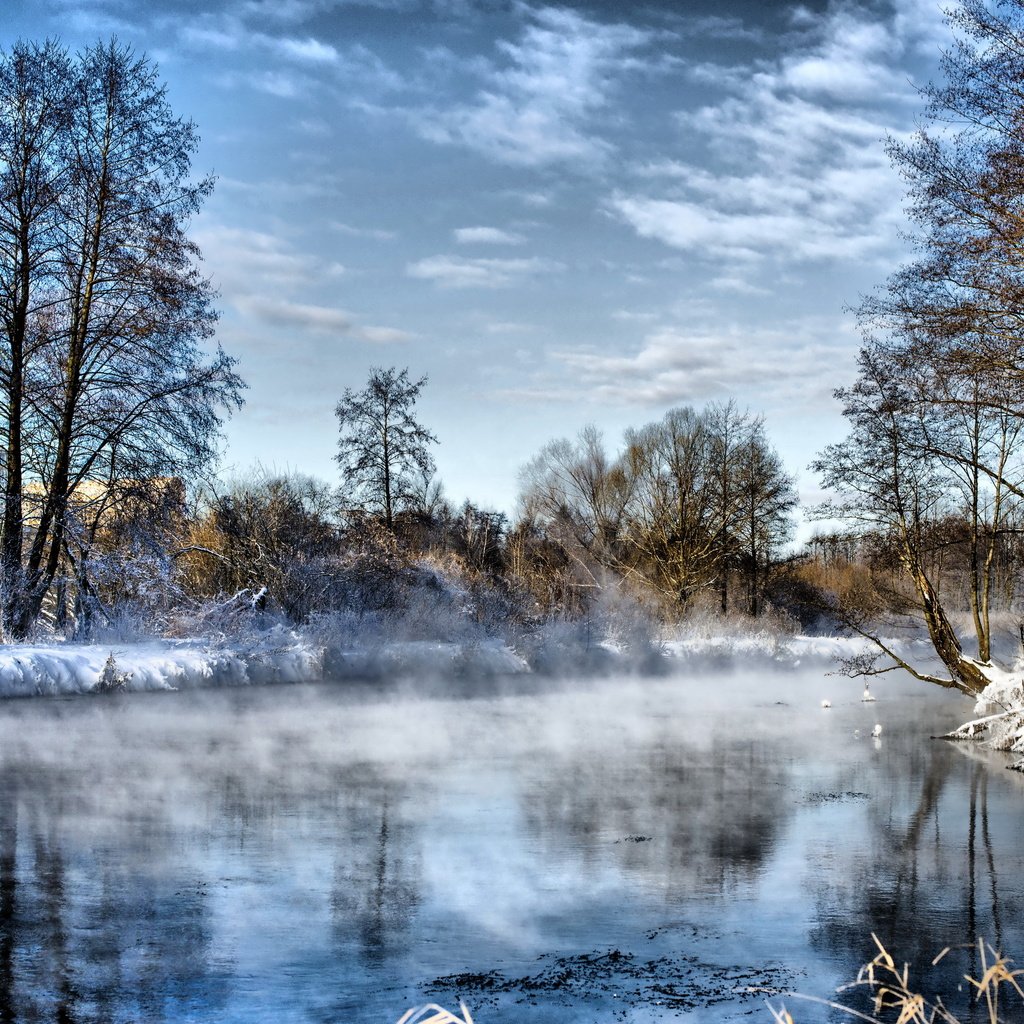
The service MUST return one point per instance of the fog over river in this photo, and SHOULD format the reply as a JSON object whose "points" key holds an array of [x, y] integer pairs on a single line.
{"points": [[680, 847]]}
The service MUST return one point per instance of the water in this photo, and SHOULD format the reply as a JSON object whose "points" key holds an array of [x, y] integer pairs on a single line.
{"points": [[675, 848]]}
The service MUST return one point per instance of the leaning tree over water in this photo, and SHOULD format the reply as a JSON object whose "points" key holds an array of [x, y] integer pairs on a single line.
{"points": [[936, 412]]}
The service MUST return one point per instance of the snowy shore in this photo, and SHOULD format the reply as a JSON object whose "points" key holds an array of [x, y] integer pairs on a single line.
{"points": [[999, 716], [286, 656], [281, 656]]}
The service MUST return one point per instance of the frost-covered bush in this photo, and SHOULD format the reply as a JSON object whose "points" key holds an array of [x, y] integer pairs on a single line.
{"points": [[270, 533]]}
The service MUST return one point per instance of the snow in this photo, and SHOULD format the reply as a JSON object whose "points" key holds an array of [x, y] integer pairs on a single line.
{"points": [[784, 649], [65, 668], [282, 655], [999, 714]]}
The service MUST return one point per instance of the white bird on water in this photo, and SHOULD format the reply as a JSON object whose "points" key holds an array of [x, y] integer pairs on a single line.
{"points": [[868, 695], [826, 703], [877, 731]]}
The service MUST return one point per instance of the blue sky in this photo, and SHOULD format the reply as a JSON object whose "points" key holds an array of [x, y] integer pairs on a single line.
{"points": [[562, 214]]}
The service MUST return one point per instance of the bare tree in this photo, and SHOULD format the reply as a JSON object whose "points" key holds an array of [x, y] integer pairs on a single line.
{"points": [[120, 386], [672, 528], [889, 483], [383, 450], [936, 413], [730, 431], [765, 498], [35, 106], [579, 492]]}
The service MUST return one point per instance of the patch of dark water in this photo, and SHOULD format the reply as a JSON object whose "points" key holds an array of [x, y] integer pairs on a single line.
{"points": [[623, 984]]}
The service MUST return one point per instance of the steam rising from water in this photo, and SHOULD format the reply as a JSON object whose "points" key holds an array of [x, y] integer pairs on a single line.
{"points": [[324, 852]]}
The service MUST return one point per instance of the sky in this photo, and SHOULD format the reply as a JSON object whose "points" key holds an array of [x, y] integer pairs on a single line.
{"points": [[560, 214]]}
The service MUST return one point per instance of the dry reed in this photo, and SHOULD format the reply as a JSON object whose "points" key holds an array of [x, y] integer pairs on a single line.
{"points": [[437, 1015], [890, 989]]}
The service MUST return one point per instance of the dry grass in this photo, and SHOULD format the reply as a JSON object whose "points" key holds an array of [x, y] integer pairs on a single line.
{"points": [[434, 1014], [892, 993]]}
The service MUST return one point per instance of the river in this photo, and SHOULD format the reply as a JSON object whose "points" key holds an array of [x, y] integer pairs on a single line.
{"points": [[672, 848]]}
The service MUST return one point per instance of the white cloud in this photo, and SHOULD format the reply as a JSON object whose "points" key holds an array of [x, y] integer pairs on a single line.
{"points": [[309, 49], [210, 36], [765, 367], [274, 56], [799, 170], [283, 84], [242, 259], [457, 272], [308, 317], [301, 315], [509, 327], [377, 234], [634, 316], [738, 285], [384, 335], [486, 236], [266, 280], [539, 100]]}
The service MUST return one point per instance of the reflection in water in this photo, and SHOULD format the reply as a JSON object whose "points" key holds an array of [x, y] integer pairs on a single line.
{"points": [[87, 934], [8, 892], [934, 873], [687, 817], [375, 888], [308, 854]]}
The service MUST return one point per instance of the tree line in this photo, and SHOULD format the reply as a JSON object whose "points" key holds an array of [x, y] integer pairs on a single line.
{"points": [[112, 394], [694, 508]]}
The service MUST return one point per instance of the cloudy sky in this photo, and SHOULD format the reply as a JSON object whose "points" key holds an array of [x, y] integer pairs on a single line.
{"points": [[562, 214]]}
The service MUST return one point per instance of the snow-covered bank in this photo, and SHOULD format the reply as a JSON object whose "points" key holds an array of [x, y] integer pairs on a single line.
{"points": [[280, 656], [64, 668], [999, 711], [784, 650], [287, 656]]}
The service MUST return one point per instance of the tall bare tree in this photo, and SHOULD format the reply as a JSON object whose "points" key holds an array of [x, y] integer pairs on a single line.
{"points": [[35, 110], [121, 384], [765, 498], [942, 367]]}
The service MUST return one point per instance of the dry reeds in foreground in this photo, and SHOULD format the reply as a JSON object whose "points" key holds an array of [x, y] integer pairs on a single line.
{"points": [[437, 1015], [890, 988]]}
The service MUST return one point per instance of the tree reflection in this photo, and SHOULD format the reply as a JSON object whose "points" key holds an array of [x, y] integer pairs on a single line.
{"points": [[689, 818], [94, 932], [8, 896], [932, 877], [376, 876]]}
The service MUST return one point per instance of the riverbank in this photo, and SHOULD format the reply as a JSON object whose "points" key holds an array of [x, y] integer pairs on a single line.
{"points": [[285, 656]]}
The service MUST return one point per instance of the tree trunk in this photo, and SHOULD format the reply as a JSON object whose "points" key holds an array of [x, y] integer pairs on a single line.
{"points": [[947, 646]]}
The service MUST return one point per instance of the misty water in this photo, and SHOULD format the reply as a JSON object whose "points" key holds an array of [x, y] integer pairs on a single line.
{"points": [[668, 848]]}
